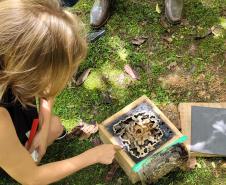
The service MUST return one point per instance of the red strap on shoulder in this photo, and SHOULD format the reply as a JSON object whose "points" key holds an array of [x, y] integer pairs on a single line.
{"points": [[33, 131]]}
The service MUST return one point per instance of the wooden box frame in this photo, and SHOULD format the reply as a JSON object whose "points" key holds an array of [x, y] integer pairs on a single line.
{"points": [[121, 156]]}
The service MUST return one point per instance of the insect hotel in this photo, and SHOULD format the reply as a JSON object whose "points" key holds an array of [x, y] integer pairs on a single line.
{"points": [[153, 146]]}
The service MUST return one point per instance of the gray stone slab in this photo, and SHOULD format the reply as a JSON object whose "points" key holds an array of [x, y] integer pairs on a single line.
{"points": [[208, 130]]}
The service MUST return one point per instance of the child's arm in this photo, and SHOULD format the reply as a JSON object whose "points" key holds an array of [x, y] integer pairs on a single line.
{"points": [[45, 113], [17, 162]]}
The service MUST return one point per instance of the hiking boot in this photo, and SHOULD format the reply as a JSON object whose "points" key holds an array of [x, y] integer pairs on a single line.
{"points": [[173, 10], [100, 13]]}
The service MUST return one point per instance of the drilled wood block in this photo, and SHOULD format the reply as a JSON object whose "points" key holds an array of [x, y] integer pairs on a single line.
{"points": [[142, 129]]}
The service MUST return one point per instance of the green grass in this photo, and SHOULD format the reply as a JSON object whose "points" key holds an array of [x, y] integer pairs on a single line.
{"points": [[109, 54]]}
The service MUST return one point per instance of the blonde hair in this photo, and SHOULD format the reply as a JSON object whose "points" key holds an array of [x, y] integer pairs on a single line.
{"points": [[41, 46]]}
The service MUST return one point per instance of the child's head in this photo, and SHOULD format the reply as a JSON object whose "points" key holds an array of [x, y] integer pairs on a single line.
{"points": [[41, 47]]}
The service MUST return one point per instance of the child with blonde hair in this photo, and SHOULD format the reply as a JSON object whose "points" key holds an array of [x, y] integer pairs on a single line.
{"points": [[41, 46]]}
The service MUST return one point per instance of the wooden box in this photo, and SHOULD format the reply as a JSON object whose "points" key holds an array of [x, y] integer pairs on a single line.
{"points": [[123, 157]]}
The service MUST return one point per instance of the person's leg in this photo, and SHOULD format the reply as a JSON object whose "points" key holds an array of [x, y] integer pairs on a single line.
{"points": [[55, 130], [173, 10], [68, 3], [100, 13]]}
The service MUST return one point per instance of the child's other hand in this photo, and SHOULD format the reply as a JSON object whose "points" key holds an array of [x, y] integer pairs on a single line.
{"points": [[105, 153]]}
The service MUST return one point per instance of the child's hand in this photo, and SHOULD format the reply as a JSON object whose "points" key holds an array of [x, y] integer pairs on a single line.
{"points": [[39, 144], [105, 153]]}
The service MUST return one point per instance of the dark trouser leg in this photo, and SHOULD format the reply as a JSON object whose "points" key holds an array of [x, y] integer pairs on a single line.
{"points": [[69, 3]]}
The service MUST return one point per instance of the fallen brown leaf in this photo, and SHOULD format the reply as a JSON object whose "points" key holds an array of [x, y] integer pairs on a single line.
{"points": [[75, 132], [83, 131], [128, 69], [88, 130], [137, 41], [83, 77]]}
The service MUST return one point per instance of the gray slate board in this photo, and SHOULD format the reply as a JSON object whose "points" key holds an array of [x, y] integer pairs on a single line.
{"points": [[208, 130]]}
